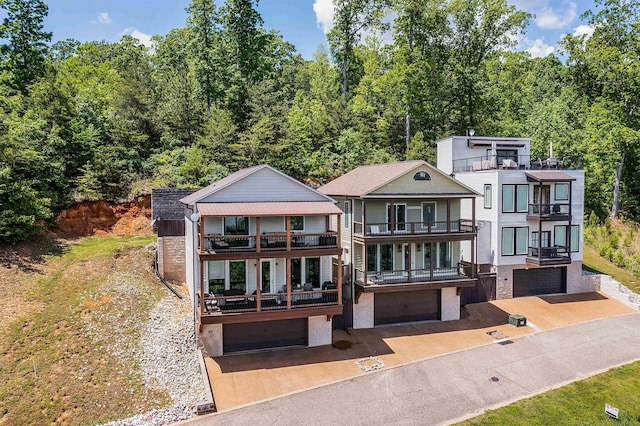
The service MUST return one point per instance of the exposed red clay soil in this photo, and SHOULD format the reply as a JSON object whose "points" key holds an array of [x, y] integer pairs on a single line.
{"points": [[101, 217]]}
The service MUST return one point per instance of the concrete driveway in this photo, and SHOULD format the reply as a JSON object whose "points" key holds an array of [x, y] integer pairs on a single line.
{"points": [[451, 387], [244, 379]]}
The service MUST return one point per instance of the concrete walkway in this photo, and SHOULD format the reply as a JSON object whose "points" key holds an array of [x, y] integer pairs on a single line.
{"points": [[454, 386]]}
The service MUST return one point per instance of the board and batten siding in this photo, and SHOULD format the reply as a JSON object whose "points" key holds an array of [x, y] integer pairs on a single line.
{"points": [[439, 184], [264, 185]]}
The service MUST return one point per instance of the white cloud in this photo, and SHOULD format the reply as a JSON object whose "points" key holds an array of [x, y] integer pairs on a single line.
{"points": [[145, 39], [324, 14], [539, 49], [104, 18], [583, 30], [549, 18]]}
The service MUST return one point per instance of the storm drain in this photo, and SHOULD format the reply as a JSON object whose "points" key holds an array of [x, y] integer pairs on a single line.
{"points": [[500, 338]]}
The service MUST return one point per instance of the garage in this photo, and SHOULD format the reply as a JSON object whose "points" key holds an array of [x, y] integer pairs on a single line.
{"points": [[264, 335], [406, 306], [537, 281]]}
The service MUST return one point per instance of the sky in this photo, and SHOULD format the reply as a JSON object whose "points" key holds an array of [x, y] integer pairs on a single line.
{"points": [[301, 22]]}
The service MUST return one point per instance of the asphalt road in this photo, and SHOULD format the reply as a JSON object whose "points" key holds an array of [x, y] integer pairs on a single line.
{"points": [[454, 386]]}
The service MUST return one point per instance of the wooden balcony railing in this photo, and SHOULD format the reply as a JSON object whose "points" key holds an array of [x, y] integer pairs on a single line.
{"points": [[220, 305], [407, 276], [414, 228], [269, 241]]}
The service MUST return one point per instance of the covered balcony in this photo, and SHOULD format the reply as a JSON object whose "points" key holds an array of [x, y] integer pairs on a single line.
{"points": [[546, 256]]}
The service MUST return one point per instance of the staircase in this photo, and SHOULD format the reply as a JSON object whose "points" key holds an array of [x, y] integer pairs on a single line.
{"points": [[616, 290]]}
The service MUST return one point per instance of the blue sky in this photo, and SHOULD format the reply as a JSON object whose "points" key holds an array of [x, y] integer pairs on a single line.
{"points": [[301, 22]]}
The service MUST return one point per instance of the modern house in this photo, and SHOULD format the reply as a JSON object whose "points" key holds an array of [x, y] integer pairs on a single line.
{"points": [[530, 216], [262, 262], [409, 245]]}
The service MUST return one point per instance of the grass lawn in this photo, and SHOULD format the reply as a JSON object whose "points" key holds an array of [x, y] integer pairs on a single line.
{"points": [[596, 263], [71, 326], [579, 403]]}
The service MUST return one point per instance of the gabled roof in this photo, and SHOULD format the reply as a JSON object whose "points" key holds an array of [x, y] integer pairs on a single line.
{"points": [[363, 180], [265, 209], [244, 174]]}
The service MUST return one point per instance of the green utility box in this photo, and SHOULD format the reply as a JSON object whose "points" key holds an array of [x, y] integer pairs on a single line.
{"points": [[517, 320]]}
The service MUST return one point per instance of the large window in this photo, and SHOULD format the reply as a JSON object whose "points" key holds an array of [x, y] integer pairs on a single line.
{"points": [[429, 212], [546, 236], [575, 238], [515, 198], [562, 192], [444, 255], [236, 225], [297, 223], [427, 255], [238, 275], [514, 241], [215, 272], [487, 196], [386, 257], [312, 271], [560, 236], [372, 257]]}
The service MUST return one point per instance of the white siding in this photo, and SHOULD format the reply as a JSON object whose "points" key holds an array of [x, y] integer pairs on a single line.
{"points": [[445, 155]]}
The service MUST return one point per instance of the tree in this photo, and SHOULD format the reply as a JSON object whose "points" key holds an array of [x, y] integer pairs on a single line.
{"points": [[606, 68], [24, 55], [350, 18]]}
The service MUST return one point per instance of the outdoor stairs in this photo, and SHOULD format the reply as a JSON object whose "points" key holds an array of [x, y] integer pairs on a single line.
{"points": [[618, 291]]}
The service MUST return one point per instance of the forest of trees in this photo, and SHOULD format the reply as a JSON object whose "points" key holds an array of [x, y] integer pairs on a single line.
{"points": [[98, 120]]}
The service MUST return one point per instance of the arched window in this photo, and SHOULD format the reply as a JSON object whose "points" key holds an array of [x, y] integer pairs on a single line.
{"points": [[421, 175]]}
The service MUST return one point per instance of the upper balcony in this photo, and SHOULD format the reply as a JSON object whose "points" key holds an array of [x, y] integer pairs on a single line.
{"points": [[549, 212], [268, 242], [548, 256], [403, 229], [514, 162]]}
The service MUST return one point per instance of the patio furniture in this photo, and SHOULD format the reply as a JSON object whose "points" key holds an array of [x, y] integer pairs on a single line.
{"points": [[508, 163], [551, 163], [536, 165]]}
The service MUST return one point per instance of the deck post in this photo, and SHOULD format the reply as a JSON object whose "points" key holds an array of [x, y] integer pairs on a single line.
{"points": [[288, 272], [448, 216], [364, 217], [287, 224], [431, 256], [392, 216], [201, 263], [258, 284], [340, 278], [365, 260], [408, 267], [540, 223], [258, 235], [201, 233], [474, 238]]}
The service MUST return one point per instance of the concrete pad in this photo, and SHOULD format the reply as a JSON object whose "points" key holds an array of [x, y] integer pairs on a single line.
{"points": [[247, 378]]}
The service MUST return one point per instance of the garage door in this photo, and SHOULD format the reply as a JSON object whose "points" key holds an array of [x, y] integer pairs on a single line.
{"points": [[536, 281], [406, 306], [263, 335]]}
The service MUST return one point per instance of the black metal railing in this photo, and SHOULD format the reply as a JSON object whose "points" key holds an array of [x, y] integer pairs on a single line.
{"points": [[556, 252], [521, 162], [408, 276], [416, 228], [549, 210], [245, 303]]}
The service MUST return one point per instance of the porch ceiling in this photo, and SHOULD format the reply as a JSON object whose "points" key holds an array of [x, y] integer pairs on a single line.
{"points": [[295, 208]]}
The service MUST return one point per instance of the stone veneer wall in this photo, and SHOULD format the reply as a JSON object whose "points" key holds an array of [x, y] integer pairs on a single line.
{"points": [[320, 331], [450, 304], [363, 311], [171, 258]]}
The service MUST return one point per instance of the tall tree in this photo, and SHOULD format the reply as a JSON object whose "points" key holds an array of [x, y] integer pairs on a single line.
{"points": [[350, 18], [24, 55]]}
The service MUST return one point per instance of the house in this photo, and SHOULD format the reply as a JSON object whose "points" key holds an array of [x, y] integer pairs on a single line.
{"points": [[408, 243], [262, 262], [530, 216]]}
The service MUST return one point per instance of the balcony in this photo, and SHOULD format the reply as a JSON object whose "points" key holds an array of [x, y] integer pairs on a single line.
{"points": [[520, 162], [461, 226], [236, 302], [545, 256], [269, 242], [548, 212], [412, 276]]}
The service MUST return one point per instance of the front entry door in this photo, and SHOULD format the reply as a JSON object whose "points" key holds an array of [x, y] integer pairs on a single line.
{"points": [[267, 276]]}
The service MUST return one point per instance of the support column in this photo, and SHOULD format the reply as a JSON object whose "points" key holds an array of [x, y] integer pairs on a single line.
{"points": [[340, 279], [475, 237], [540, 223], [431, 259], [200, 263], [258, 285], [288, 272], [287, 224], [448, 216], [408, 267], [258, 235], [392, 216]]}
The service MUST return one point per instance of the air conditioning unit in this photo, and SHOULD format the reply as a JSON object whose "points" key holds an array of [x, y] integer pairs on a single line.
{"points": [[517, 320]]}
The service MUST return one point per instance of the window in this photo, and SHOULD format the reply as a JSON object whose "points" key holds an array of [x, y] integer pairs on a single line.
{"points": [[546, 236], [429, 212], [515, 198], [296, 271], [347, 214], [560, 236], [562, 192], [238, 225], [575, 238], [400, 216], [238, 275], [372, 257], [487, 196], [421, 175], [215, 271], [514, 241], [444, 255], [386, 257], [312, 271], [297, 223]]}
